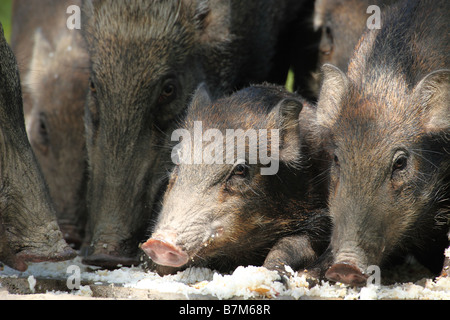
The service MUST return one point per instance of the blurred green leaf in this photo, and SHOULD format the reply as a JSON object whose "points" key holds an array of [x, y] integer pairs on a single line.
{"points": [[290, 81], [5, 16]]}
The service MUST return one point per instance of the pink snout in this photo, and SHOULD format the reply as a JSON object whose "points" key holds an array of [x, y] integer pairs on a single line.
{"points": [[164, 253], [346, 273]]}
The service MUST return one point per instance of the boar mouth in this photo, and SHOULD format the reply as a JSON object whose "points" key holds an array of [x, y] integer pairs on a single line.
{"points": [[201, 251]]}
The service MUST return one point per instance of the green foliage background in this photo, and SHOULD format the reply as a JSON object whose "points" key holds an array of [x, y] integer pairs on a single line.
{"points": [[5, 16]]}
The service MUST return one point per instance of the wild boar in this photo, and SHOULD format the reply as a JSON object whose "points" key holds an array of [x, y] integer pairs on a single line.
{"points": [[28, 228], [386, 123], [147, 58], [54, 67], [252, 196]]}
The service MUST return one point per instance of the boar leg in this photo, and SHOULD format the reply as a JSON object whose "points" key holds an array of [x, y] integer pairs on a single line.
{"points": [[293, 251]]}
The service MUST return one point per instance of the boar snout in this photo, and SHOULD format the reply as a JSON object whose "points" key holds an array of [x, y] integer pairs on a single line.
{"points": [[162, 250], [346, 273], [351, 261]]}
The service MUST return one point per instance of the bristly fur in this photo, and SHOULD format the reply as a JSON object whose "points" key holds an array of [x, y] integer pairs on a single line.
{"points": [[255, 212], [393, 100], [138, 49], [26, 211]]}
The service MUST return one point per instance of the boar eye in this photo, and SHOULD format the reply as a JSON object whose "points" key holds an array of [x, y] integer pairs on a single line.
{"points": [[168, 92], [240, 170], [336, 160], [42, 129], [328, 32], [92, 86], [42, 136], [400, 163], [237, 178], [326, 44]]}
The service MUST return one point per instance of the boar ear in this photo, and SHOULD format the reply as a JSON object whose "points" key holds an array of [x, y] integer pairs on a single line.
{"points": [[287, 116], [433, 94], [334, 84], [212, 18], [201, 96]]}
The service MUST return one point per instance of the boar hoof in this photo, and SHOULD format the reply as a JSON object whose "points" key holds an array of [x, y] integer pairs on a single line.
{"points": [[347, 274], [164, 253]]}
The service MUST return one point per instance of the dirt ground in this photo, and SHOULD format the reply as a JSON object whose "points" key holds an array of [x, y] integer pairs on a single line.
{"points": [[51, 281], [19, 289]]}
